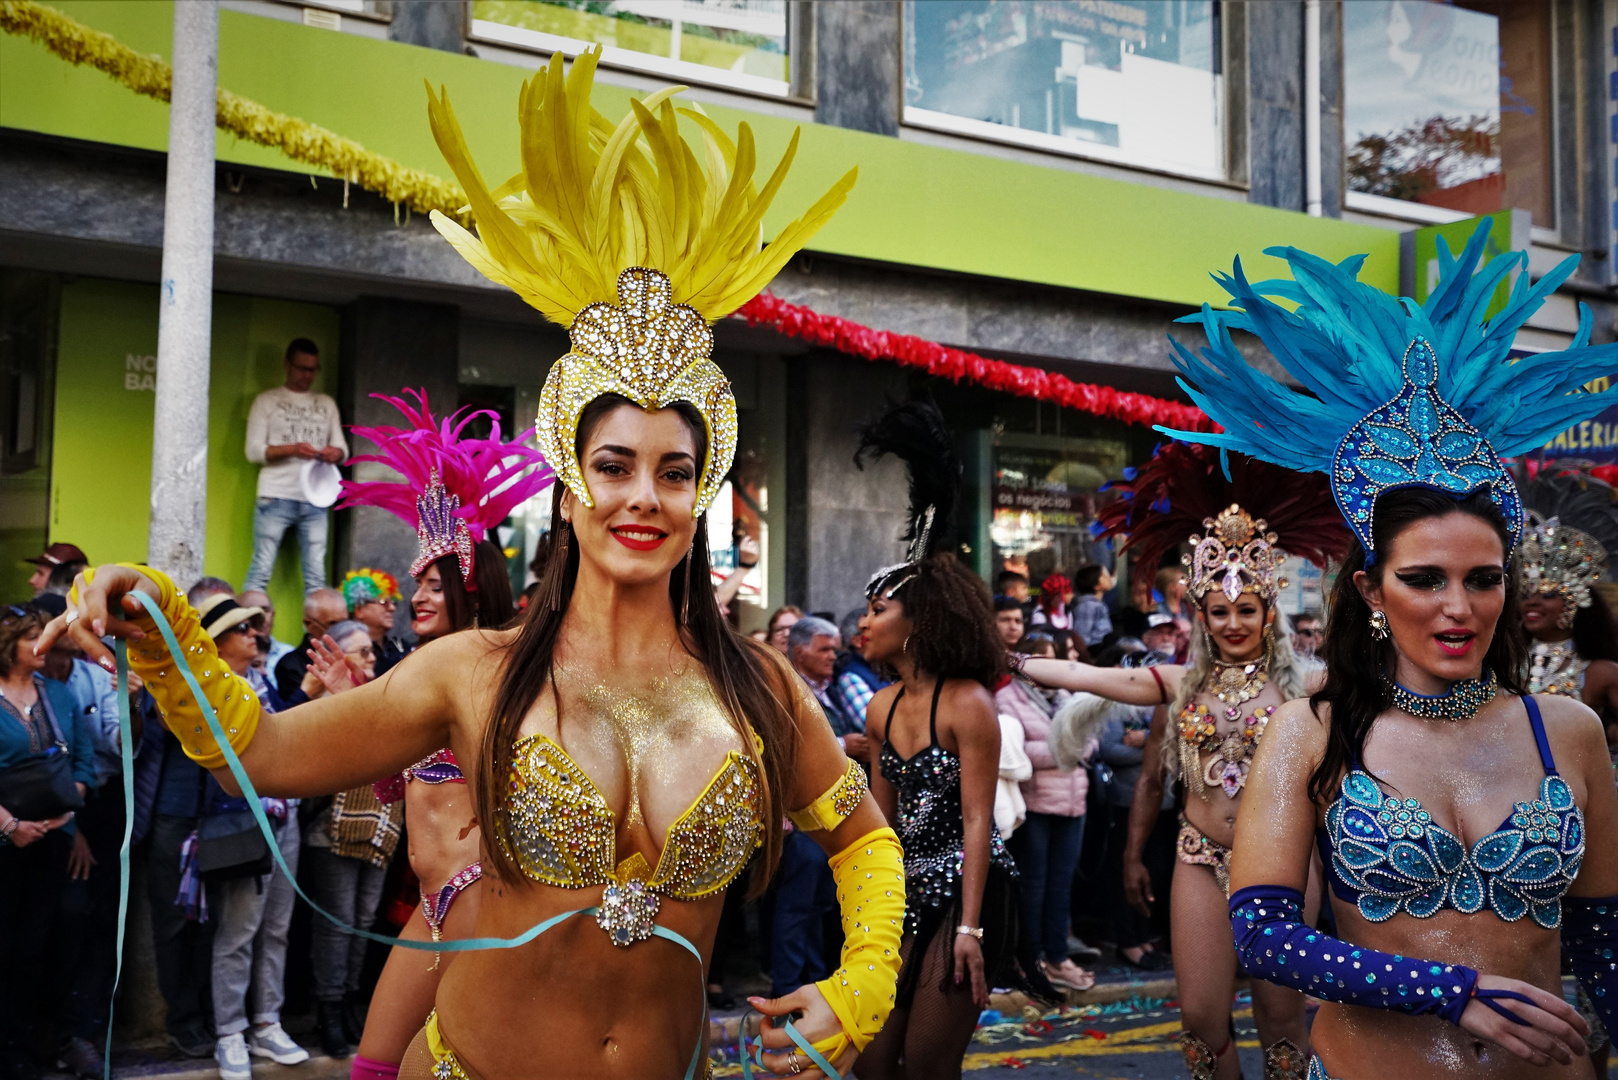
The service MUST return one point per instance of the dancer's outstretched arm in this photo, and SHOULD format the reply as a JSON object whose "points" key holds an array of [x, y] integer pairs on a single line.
{"points": [[1129, 686], [336, 743], [1269, 872]]}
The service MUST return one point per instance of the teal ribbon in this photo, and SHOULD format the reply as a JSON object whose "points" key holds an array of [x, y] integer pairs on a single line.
{"points": [[250, 793], [816, 1058]]}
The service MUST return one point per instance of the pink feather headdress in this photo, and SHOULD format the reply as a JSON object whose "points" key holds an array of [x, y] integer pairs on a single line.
{"points": [[455, 488]]}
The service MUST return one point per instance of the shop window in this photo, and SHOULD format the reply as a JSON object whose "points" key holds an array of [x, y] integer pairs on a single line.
{"points": [[735, 43], [1044, 501], [1132, 81], [1449, 105]]}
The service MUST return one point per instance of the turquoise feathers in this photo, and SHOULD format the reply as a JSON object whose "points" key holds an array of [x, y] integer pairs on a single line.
{"points": [[1403, 394]]}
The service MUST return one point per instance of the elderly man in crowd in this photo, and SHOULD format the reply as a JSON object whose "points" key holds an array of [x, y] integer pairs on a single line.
{"points": [[322, 609]]}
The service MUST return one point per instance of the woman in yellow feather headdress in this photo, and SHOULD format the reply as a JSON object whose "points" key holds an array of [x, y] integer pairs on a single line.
{"points": [[632, 752]]}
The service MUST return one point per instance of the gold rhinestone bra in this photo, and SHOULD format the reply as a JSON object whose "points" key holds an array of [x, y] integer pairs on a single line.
{"points": [[560, 831]]}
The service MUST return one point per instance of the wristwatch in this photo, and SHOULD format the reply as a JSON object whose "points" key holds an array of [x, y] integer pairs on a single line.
{"points": [[970, 931]]}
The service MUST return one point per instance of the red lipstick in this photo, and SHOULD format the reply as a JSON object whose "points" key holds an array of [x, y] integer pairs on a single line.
{"points": [[1455, 642], [639, 537]]}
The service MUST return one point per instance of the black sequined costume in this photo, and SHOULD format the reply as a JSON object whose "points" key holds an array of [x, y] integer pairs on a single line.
{"points": [[928, 785]]}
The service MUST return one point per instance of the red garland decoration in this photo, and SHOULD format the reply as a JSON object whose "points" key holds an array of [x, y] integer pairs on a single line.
{"points": [[849, 337]]}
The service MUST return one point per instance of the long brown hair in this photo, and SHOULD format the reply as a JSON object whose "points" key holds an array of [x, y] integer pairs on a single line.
{"points": [[489, 605], [747, 682]]}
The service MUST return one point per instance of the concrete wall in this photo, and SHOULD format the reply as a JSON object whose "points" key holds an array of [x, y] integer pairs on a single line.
{"points": [[436, 24], [1275, 103], [390, 344], [857, 54], [843, 523]]}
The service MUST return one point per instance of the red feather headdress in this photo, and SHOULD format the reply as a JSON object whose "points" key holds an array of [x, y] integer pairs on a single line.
{"points": [[1182, 495]]}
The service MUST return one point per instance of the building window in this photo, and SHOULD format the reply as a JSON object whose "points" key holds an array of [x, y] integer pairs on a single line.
{"points": [[1131, 81], [1044, 501], [1448, 106], [741, 44]]}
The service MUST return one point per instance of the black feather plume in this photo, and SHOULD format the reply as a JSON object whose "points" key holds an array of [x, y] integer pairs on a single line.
{"points": [[915, 433]]}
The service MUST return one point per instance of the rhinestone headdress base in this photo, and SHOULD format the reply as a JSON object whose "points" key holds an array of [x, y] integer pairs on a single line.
{"points": [[1236, 555], [1557, 558], [653, 352]]}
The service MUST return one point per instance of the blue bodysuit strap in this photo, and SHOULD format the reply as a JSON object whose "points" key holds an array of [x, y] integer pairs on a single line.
{"points": [[1538, 724]]}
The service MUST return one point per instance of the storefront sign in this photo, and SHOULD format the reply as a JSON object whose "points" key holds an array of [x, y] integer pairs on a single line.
{"points": [[140, 372]]}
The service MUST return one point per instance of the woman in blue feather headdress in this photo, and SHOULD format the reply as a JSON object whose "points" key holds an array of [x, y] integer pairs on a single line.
{"points": [[1461, 820]]}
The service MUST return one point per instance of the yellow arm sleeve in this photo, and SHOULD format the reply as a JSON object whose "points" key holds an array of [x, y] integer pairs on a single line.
{"points": [[870, 880], [839, 801], [231, 696]]}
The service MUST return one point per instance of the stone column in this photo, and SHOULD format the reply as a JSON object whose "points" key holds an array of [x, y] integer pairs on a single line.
{"points": [[185, 314]]}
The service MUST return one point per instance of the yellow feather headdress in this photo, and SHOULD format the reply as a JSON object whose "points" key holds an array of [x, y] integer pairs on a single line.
{"points": [[635, 249]]}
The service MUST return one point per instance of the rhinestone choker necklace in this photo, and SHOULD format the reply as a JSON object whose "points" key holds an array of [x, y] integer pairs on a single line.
{"points": [[1460, 702]]}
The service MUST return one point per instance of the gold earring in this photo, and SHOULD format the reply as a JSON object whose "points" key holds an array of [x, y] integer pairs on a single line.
{"points": [[1379, 625]]}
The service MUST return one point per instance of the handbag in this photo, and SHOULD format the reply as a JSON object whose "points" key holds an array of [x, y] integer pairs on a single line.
{"points": [[42, 787], [230, 845]]}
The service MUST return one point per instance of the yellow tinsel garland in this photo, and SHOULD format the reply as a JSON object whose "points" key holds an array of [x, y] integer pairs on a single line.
{"points": [[298, 139]]}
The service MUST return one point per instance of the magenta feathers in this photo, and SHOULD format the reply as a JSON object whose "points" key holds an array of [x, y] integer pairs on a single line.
{"points": [[455, 488]]}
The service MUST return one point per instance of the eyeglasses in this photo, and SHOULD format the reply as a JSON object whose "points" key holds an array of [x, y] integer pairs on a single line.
{"points": [[366, 652], [1313, 631], [239, 628]]}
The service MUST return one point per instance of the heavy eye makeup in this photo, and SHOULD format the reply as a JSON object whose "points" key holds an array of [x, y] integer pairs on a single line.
{"points": [[1429, 579]]}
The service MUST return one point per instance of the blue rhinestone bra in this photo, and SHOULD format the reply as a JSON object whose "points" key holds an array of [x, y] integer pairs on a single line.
{"points": [[1386, 855]]}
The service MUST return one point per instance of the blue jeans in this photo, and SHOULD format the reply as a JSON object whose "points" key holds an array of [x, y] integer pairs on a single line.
{"points": [[805, 892], [1046, 848], [271, 520]]}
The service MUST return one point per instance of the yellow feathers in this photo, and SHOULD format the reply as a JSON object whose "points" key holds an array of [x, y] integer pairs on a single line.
{"points": [[593, 200]]}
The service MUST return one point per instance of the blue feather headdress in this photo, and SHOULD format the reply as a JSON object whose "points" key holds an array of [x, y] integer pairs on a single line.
{"points": [[1404, 395]]}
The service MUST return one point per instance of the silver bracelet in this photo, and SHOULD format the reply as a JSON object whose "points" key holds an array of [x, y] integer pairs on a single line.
{"points": [[969, 931]]}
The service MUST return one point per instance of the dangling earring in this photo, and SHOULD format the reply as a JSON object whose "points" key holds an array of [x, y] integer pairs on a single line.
{"points": [[1379, 625], [560, 554], [1565, 617]]}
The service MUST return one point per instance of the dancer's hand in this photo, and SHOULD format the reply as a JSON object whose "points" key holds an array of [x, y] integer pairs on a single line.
{"points": [[1553, 1030], [817, 1022], [333, 667], [1138, 886], [97, 613], [969, 964]]}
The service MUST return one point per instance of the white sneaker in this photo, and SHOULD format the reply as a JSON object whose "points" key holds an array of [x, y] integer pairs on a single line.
{"points": [[231, 1054], [272, 1042]]}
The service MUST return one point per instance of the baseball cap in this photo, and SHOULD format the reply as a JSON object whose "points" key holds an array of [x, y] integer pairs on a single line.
{"points": [[57, 554], [1158, 618]]}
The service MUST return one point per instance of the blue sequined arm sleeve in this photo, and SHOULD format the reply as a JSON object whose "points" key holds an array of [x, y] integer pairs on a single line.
{"points": [[1273, 943], [1590, 937]]}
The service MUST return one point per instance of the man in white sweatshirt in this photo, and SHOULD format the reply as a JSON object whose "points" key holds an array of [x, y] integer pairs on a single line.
{"points": [[286, 427]]}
